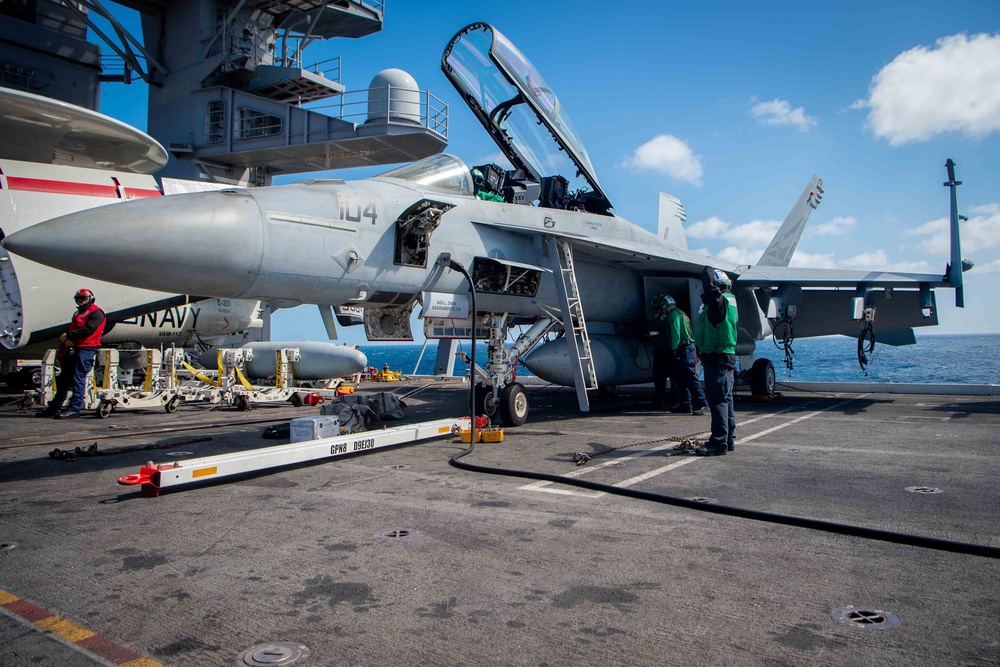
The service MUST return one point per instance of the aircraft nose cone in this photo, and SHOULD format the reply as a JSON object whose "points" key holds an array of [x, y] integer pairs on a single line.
{"points": [[207, 243]]}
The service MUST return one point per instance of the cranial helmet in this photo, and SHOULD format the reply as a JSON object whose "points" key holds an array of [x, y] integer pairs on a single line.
{"points": [[722, 279], [662, 302]]}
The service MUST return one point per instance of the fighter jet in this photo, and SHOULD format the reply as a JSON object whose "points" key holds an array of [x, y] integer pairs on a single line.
{"points": [[543, 258], [57, 158]]}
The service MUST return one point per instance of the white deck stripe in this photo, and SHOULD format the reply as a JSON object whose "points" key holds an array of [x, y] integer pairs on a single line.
{"points": [[543, 486], [796, 421]]}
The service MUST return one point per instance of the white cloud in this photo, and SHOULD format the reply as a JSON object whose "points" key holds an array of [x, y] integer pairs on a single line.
{"points": [[981, 231], [928, 91], [879, 259], [668, 155], [992, 267], [874, 259], [813, 261], [755, 232], [759, 232], [835, 227], [739, 255], [712, 228], [780, 112]]}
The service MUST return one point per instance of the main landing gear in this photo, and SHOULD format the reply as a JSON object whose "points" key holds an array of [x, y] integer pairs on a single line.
{"points": [[510, 407], [762, 379], [498, 396]]}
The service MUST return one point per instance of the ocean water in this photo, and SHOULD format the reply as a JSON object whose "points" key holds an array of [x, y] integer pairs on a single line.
{"points": [[935, 359]]}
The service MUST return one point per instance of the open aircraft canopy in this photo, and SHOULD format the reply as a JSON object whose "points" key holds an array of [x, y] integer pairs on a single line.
{"points": [[515, 104]]}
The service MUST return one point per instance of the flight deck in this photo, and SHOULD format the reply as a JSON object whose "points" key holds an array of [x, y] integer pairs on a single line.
{"points": [[398, 558]]}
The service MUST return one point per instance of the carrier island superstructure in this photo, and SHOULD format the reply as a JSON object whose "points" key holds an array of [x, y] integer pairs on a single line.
{"points": [[231, 95]]}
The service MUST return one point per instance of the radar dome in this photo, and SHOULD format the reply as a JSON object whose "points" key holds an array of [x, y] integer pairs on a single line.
{"points": [[393, 96]]}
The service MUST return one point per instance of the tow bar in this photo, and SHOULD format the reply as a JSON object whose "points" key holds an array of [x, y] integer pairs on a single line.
{"points": [[154, 477]]}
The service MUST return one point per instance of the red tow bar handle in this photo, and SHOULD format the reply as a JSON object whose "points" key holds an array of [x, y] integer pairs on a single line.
{"points": [[148, 477], [145, 476]]}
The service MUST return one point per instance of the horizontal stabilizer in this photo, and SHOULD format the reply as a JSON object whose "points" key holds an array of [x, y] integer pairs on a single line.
{"points": [[774, 276], [825, 313]]}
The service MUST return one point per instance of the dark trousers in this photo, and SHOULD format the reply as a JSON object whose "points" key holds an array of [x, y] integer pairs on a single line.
{"points": [[84, 363], [663, 365], [64, 382], [689, 392], [719, 383]]}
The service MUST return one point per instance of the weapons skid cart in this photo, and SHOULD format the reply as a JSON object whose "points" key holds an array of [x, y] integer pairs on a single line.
{"points": [[231, 385], [160, 388], [105, 389]]}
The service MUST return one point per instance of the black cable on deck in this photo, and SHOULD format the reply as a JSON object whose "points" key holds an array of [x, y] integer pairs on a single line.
{"points": [[937, 544]]}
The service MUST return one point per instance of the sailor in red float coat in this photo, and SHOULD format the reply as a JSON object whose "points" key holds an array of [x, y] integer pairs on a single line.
{"points": [[77, 351]]}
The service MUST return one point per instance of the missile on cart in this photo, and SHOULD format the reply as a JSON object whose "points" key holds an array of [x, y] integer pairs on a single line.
{"points": [[318, 360], [618, 360]]}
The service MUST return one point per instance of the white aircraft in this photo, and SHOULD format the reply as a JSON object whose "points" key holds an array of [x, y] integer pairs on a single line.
{"points": [[538, 253], [57, 158]]}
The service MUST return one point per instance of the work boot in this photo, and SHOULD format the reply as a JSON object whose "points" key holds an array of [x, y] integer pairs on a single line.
{"points": [[47, 412], [68, 414], [700, 411], [710, 451], [730, 447]]}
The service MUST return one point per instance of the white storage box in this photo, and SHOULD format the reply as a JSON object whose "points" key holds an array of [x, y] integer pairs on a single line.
{"points": [[314, 428]]}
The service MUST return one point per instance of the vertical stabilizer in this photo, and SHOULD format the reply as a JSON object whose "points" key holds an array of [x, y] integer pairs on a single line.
{"points": [[672, 215], [954, 272], [779, 251]]}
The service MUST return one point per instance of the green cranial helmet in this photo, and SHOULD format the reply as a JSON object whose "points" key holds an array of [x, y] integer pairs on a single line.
{"points": [[662, 302], [722, 280]]}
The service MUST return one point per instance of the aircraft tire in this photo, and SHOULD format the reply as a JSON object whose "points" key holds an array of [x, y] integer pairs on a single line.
{"points": [[513, 404], [762, 379], [485, 405]]}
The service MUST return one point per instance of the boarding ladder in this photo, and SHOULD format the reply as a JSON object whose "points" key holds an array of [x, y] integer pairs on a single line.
{"points": [[577, 338]]}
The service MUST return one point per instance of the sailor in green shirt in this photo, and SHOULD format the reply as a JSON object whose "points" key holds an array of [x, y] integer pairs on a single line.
{"points": [[663, 355], [716, 341], [688, 395]]}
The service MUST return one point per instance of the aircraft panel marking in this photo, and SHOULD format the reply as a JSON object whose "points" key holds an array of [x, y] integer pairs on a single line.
{"points": [[351, 210], [326, 223]]}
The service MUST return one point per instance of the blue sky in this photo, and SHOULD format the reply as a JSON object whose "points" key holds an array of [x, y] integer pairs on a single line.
{"points": [[732, 108]]}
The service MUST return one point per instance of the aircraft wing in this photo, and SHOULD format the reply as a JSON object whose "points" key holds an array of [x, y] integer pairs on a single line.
{"points": [[631, 246], [775, 276]]}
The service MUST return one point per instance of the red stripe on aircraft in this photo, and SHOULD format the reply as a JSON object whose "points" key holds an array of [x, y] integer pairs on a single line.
{"points": [[61, 187], [141, 193]]}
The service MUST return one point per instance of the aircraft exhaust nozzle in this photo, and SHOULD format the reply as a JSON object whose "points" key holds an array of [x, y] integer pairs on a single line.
{"points": [[208, 243]]}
